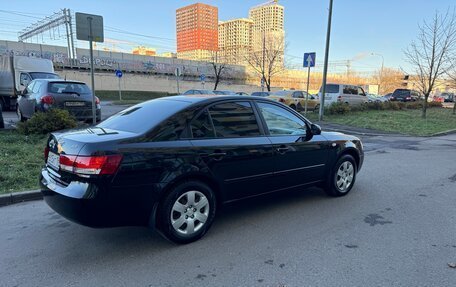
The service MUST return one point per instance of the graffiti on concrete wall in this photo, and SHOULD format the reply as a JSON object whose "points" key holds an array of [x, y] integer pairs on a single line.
{"points": [[112, 61]]}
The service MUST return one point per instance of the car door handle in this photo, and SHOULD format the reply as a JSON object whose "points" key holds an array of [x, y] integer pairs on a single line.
{"points": [[282, 149]]}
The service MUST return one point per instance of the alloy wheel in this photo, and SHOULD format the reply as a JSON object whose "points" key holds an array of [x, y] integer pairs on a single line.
{"points": [[189, 212], [344, 176]]}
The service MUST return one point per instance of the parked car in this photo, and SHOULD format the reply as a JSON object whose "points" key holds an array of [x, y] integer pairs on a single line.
{"points": [[242, 93], [438, 99], [295, 100], [448, 97], [199, 92], [16, 72], [260, 94], [44, 94], [349, 94], [388, 96], [375, 98], [226, 93], [184, 156], [405, 95]]}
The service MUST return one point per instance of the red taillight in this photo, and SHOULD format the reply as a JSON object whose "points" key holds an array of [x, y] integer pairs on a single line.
{"points": [[47, 100], [105, 164], [281, 100], [97, 100], [46, 154]]}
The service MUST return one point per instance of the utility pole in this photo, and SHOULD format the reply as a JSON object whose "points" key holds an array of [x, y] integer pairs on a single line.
{"points": [[325, 68], [263, 82]]}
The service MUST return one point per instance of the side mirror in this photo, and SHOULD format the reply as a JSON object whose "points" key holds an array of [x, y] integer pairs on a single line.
{"points": [[24, 92], [315, 129]]}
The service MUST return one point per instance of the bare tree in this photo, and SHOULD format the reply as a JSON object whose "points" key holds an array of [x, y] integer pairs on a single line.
{"points": [[389, 79], [269, 60], [219, 67], [429, 54]]}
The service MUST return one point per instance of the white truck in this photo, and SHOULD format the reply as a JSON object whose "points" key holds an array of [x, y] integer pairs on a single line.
{"points": [[15, 74]]}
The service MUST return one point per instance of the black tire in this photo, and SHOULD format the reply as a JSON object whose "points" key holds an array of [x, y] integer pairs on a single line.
{"points": [[166, 213], [293, 106], [317, 109], [19, 114], [333, 187]]}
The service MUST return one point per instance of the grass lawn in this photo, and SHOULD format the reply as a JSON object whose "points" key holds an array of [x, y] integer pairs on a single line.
{"points": [[21, 159], [402, 121]]}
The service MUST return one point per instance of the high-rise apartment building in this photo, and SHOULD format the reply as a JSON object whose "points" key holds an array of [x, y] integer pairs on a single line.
{"points": [[268, 26], [197, 31], [235, 40]]}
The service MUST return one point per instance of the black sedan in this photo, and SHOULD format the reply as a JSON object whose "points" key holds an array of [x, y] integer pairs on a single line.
{"points": [[170, 163], [45, 94]]}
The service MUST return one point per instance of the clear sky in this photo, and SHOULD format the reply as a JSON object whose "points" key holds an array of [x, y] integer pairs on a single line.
{"points": [[359, 27]]}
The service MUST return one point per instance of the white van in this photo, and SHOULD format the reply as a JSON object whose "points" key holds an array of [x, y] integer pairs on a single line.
{"points": [[349, 94]]}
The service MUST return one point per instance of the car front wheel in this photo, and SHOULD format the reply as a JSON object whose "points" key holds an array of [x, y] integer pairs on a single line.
{"points": [[187, 212], [342, 177]]}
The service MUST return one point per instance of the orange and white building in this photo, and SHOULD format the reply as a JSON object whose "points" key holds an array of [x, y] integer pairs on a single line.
{"points": [[197, 31]]}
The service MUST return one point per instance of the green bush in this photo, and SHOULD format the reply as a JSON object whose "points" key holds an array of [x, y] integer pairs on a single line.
{"points": [[338, 109], [43, 123], [376, 106], [434, 105], [414, 105]]}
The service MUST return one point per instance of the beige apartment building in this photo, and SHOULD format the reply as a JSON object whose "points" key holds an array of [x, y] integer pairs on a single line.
{"points": [[268, 26], [235, 40]]}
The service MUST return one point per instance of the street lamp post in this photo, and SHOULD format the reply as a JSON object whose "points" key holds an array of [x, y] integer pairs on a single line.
{"points": [[381, 71]]}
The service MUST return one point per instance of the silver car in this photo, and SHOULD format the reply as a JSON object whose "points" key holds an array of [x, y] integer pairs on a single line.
{"points": [[44, 94]]}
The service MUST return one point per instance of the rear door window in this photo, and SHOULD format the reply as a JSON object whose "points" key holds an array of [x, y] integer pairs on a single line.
{"points": [[234, 119], [201, 126]]}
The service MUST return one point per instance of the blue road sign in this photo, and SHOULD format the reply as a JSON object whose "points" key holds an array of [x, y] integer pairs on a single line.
{"points": [[202, 77], [309, 59], [119, 73]]}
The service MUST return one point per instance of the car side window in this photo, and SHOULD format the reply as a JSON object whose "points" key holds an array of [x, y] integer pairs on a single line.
{"points": [[279, 121], [360, 91], [36, 87], [201, 126], [25, 79], [30, 87], [234, 119], [298, 95]]}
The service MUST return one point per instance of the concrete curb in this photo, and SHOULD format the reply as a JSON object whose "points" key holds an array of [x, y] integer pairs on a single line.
{"points": [[444, 133], [17, 197]]}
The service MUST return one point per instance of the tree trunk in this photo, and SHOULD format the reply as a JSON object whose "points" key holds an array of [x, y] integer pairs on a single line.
{"points": [[423, 114], [454, 107], [217, 80]]}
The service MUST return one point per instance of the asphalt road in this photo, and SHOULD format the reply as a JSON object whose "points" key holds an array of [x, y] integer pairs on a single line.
{"points": [[396, 228]]}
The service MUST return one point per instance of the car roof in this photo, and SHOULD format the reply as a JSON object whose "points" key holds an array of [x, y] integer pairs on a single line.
{"points": [[210, 98], [60, 81]]}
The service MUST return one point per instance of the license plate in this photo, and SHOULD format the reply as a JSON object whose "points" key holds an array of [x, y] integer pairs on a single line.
{"points": [[328, 97], [74, 104], [53, 160]]}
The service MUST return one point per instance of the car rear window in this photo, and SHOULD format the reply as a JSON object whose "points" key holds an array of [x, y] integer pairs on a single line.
{"points": [[70, 88], [143, 117]]}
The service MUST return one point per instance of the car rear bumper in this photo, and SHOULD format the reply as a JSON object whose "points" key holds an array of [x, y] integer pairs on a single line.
{"points": [[97, 204]]}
